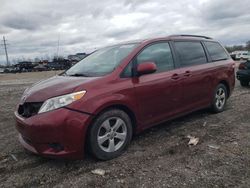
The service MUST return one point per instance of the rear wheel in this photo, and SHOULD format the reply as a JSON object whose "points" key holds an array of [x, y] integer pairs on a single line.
{"points": [[244, 83], [110, 134], [220, 98]]}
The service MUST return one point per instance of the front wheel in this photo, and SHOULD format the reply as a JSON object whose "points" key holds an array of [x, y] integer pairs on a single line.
{"points": [[220, 98], [110, 134]]}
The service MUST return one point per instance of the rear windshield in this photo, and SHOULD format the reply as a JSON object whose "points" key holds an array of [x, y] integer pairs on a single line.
{"points": [[216, 51], [101, 62]]}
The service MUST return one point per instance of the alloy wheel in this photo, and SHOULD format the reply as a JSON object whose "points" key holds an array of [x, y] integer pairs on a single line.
{"points": [[220, 98], [112, 134]]}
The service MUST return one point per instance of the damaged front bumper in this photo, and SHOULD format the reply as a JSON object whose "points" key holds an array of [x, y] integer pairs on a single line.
{"points": [[59, 133]]}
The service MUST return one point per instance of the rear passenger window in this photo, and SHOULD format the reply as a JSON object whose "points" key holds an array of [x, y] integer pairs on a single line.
{"points": [[190, 53], [216, 51], [160, 54]]}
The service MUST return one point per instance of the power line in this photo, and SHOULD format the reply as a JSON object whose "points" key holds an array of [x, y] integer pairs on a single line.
{"points": [[6, 52]]}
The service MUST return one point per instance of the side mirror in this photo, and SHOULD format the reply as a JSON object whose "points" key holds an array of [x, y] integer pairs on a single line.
{"points": [[146, 68]]}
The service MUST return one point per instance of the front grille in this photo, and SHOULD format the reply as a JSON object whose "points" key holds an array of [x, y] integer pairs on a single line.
{"points": [[29, 109]]}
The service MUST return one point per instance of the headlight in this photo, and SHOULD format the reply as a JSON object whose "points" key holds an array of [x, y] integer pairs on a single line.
{"points": [[58, 102]]}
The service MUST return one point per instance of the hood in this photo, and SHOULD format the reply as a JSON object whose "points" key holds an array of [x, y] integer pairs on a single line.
{"points": [[52, 87]]}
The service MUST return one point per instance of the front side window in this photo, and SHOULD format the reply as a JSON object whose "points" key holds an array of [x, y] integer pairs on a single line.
{"points": [[160, 54], [101, 62], [216, 51], [190, 53]]}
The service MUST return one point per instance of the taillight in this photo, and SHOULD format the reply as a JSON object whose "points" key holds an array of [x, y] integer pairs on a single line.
{"points": [[242, 66]]}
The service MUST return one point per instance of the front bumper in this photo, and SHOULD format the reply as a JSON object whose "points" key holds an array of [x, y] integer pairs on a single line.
{"points": [[59, 133], [243, 75]]}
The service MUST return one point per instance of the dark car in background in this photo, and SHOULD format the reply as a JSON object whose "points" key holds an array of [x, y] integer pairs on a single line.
{"points": [[25, 66], [11, 70], [40, 67], [59, 64], [122, 90], [243, 73]]}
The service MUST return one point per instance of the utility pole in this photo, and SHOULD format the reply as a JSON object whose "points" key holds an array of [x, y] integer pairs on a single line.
{"points": [[6, 52], [58, 44]]}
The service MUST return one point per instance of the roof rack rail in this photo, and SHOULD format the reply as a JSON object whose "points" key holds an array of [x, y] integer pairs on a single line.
{"points": [[191, 36]]}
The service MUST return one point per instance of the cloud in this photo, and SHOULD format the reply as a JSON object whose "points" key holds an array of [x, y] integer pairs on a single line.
{"points": [[33, 27], [225, 9]]}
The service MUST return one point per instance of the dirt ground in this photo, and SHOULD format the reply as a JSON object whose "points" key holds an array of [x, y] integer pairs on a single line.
{"points": [[159, 157]]}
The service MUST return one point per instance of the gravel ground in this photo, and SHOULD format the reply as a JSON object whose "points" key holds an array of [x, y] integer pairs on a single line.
{"points": [[158, 157]]}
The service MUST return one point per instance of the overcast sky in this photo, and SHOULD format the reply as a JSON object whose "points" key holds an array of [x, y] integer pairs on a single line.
{"points": [[32, 27]]}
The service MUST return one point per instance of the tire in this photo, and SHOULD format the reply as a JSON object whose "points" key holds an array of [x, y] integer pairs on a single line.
{"points": [[110, 134], [220, 98], [244, 83]]}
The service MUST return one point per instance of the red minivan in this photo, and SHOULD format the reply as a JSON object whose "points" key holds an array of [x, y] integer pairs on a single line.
{"points": [[120, 90]]}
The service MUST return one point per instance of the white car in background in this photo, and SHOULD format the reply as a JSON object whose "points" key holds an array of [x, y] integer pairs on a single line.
{"points": [[1, 70], [241, 55]]}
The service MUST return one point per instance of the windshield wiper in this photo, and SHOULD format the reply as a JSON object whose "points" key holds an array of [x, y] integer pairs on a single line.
{"points": [[63, 74], [78, 75]]}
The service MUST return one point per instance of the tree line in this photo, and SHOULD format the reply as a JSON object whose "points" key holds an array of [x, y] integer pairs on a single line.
{"points": [[245, 47]]}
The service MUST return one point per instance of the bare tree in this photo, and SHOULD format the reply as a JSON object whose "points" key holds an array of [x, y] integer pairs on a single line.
{"points": [[248, 45]]}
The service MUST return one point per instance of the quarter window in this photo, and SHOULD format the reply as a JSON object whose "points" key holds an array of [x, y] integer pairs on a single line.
{"points": [[216, 51], [190, 53], [127, 71], [160, 54]]}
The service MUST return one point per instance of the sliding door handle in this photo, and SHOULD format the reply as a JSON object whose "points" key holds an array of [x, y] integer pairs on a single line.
{"points": [[187, 73], [175, 77]]}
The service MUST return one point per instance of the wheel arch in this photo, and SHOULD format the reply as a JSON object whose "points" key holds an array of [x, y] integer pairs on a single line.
{"points": [[226, 84], [122, 107]]}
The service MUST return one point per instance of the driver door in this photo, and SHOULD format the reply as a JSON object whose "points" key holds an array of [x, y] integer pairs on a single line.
{"points": [[158, 94]]}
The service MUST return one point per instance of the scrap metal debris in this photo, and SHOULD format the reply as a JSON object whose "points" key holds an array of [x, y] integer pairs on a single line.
{"points": [[193, 140], [99, 172], [13, 157], [213, 146]]}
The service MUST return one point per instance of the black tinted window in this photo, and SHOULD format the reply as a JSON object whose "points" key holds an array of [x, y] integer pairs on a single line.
{"points": [[160, 54], [216, 51], [190, 53]]}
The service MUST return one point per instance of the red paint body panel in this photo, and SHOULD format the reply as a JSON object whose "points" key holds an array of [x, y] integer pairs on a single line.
{"points": [[60, 126], [152, 98], [54, 86]]}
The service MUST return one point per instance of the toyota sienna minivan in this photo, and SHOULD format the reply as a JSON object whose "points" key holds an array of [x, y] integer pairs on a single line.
{"points": [[120, 90]]}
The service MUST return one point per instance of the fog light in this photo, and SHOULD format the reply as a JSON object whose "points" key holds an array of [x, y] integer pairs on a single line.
{"points": [[56, 146]]}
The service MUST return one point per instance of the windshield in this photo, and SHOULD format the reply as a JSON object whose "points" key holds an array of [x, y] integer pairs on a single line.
{"points": [[102, 61]]}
